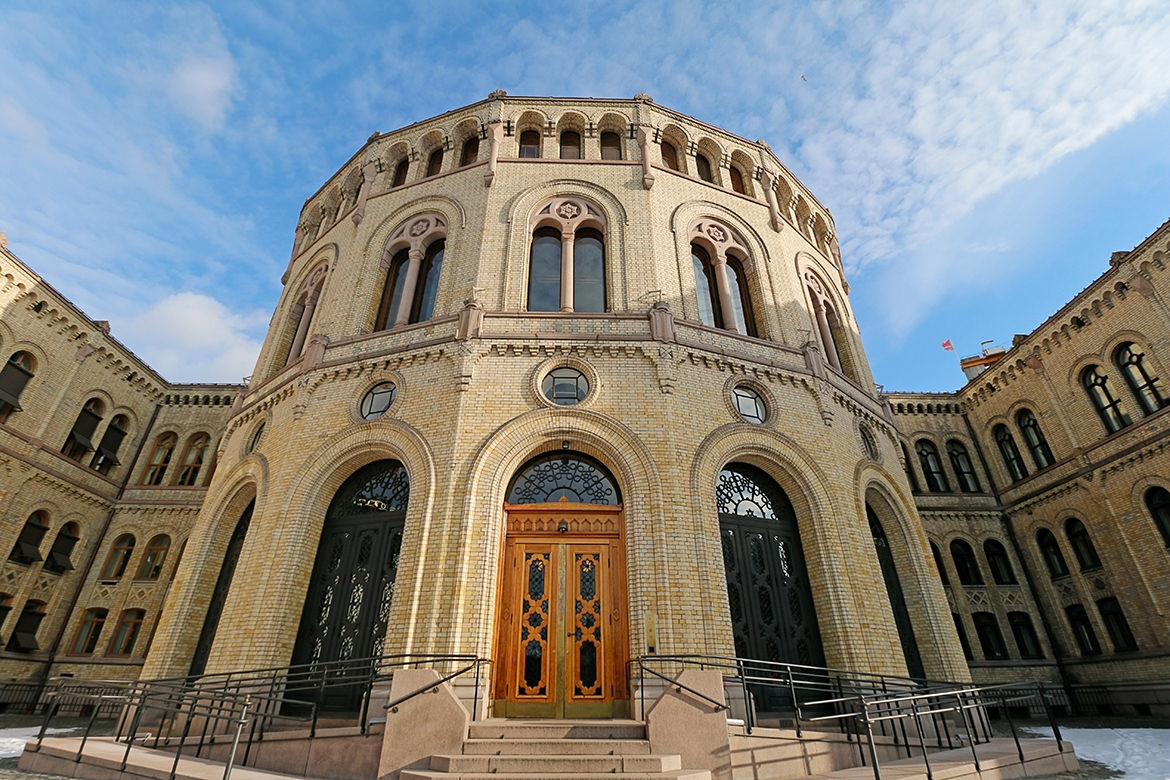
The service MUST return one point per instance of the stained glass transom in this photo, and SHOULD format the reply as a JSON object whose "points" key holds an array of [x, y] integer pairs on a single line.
{"points": [[739, 494], [572, 476]]}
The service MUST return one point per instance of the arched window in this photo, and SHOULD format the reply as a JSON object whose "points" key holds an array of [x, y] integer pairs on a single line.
{"points": [[301, 315], [192, 460], [932, 468], [470, 151], [392, 291], [544, 271], [153, 558], [1109, 409], [999, 563], [28, 545], [962, 632], [427, 287], [1050, 552], [669, 155], [24, 635], [938, 564], [1082, 629], [1034, 438], [741, 313], [400, 172], [588, 271], [572, 476], [106, 456], [736, 180], [908, 466], [435, 162], [1158, 502], [80, 439], [1010, 453], [530, 143], [611, 146], [118, 558], [705, 286], [567, 277], [1083, 549], [711, 303], [1026, 640], [126, 632], [60, 556], [570, 145], [833, 336], [1117, 626], [1131, 361], [964, 470], [89, 631], [990, 637], [703, 167], [13, 378], [966, 567], [160, 458], [393, 309]]}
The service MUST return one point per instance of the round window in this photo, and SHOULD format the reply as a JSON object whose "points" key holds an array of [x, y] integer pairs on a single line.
{"points": [[867, 441], [565, 386], [377, 401], [749, 404], [254, 442]]}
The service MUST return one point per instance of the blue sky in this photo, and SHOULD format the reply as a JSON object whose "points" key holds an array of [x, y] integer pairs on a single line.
{"points": [[981, 163]]}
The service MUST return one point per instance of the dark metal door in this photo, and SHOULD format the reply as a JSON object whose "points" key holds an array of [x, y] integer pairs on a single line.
{"points": [[897, 598]]}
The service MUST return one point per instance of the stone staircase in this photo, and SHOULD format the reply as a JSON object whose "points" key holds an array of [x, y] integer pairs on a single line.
{"points": [[577, 749]]}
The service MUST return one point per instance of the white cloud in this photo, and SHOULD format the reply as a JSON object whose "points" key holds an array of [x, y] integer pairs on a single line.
{"points": [[202, 88]]}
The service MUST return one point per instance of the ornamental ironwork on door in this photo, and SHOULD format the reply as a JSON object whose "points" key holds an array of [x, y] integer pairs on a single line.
{"points": [[768, 590], [347, 607]]}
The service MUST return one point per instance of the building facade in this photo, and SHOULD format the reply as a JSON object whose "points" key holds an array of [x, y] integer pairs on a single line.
{"points": [[556, 382]]}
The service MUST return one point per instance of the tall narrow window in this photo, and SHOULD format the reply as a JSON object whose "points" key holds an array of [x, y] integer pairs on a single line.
{"points": [[703, 168], [470, 151], [544, 271], [400, 172], [669, 155], [106, 456], [1050, 552], [1142, 384], [60, 559], [736, 180], [1010, 453], [427, 287], [1082, 629], [126, 632], [705, 286], [1117, 626], [392, 292], [118, 558], [89, 631], [1034, 438], [741, 314], [932, 468], [1026, 640], [160, 458], [1109, 408], [999, 563], [192, 460], [964, 470], [611, 146], [24, 635], [28, 545], [990, 637], [13, 378], [1158, 502], [435, 162], [965, 564], [1078, 537], [153, 558], [530, 143], [570, 145], [80, 439], [588, 272]]}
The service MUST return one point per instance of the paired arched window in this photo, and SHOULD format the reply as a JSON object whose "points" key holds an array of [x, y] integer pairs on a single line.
{"points": [[470, 151], [1117, 626], [126, 632], [1050, 552], [611, 146], [192, 461], [301, 317], [938, 564], [13, 378], [669, 155], [530, 143], [153, 558], [118, 558], [1131, 361], [28, 545], [160, 458], [1108, 406], [966, 567], [412, 273], [435, 162], [60, 559], [570, 145], [1009, 452], [1083, 549], [999, 563], [1082, 629], [932, 467], [964, 469], [723, 297], [1158, 502], [80, 438], [566, 262], [1034, 438]]}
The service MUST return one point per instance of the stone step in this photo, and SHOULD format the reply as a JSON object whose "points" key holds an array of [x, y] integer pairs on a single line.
{"points": [[558, 729], [554, 765], [676, 774], [555, 747]]}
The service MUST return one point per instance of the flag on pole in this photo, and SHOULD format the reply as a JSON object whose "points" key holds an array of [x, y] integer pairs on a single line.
{"points": [[948, 346]]}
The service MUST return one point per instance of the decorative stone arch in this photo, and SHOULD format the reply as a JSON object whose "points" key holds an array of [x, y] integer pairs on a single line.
{"points": [[613, 122], [531, 119], [524, 216], [784, 198], [713, 151], [432, 141], [677, 137], [571, 121], [464, 131], [746, 167], [391, 157], [822, 235], [802, 216], [516, 442], [330, 204]]}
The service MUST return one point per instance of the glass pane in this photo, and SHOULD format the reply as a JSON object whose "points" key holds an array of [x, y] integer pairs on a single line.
{"points": [[588, 275], [429, 287], [544, 274], [735, 283], [703, 289]]}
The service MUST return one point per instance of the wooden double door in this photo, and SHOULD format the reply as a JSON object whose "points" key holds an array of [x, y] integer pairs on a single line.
{"points": [[562, 643]]}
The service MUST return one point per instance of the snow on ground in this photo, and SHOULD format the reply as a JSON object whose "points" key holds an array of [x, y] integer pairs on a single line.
{"points": [[1142, 754], [12, 739]]}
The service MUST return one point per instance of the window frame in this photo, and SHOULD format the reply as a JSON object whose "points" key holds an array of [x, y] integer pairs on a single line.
{"points": [[27, 548], [154, 558], [1000, 564], [59, 559], [1159, 512], [528, 149], [1110, 409], [1013, 461], [80, 438], [1024, 632], [991, 642], [1034, 439], [966, 564], [89, 631], [1082, 545], [1051, 554], [118, 558], [401, 170], [964, 468], [932, 466], [469, 154], [434, 162], [17, 372], [23, 638], [126, 633], [1081, 627], [565, 148], [736, 177], [160, 459], [1130, 362], [703, 168], [669, 154], [191, 463], [1113, 618], [611, 151]]}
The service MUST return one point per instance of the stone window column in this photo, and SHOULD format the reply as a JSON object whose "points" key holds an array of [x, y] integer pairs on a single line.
{"points": [[307, 309], [567, 270], [726, 305], [408, 285]]}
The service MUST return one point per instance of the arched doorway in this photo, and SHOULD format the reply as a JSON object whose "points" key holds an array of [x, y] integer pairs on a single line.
{"points": [[223, 583], [348, 602], [897, 598], [768, 592], [561, 633]]}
